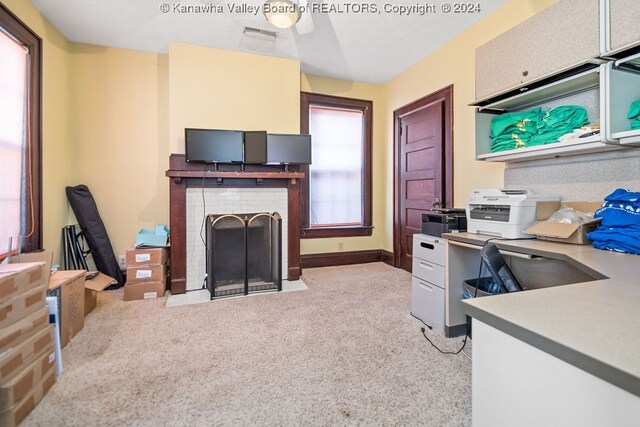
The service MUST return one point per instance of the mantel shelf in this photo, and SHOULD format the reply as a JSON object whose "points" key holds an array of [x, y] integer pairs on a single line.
{"points": [[235, 174]]}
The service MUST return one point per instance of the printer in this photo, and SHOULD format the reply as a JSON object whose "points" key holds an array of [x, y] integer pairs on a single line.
{"points": [[445, 220], [506, 213]]}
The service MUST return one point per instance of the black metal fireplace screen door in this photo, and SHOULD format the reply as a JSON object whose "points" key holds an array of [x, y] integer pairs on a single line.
{"points": [[244, 253]]}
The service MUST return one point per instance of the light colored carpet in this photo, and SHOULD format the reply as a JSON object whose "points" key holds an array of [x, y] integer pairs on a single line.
{"points": [[346, 351]]}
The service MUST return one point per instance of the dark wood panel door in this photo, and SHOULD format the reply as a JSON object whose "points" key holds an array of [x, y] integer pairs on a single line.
{"points": [[421, 147]]}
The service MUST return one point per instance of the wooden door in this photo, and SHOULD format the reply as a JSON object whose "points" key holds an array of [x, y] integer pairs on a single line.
{"points": [[423, 172]]}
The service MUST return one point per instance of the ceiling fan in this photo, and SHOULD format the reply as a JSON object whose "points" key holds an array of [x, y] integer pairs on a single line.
{"points": [[284, 14], [287, 13]]}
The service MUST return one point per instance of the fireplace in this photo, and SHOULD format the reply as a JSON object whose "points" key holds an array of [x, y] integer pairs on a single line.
{"points": [[244, 253], [196, 190]]}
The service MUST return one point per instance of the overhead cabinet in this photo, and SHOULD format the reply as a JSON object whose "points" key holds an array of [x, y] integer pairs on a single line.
{"points": [[585, 89], [623, 83], [563, 36], [622, 31], [556, 59]]}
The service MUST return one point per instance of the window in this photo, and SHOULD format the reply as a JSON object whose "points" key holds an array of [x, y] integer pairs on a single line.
{"points": [[20, 213], [337, 194]]}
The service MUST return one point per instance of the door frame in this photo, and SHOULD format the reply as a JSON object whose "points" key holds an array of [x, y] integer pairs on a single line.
{"points": [[445, 94]]}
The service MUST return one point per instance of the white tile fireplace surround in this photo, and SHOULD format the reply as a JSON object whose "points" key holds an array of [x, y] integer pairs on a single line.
{"points": [[228, 201]]}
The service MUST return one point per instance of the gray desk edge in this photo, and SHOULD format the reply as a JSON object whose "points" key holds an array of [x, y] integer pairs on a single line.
{"points": [[604, 371]]}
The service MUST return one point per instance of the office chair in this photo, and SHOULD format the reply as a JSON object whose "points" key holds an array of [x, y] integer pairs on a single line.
{"points": [[497, 266]]}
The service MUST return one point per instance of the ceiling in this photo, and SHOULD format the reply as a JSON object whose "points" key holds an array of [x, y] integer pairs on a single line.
{"points": [[365, 47]]}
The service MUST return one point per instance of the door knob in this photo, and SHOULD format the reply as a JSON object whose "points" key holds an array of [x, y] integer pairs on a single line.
{"points": [[436, 202]]}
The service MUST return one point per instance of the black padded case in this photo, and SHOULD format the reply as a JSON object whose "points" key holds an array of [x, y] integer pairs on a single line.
{"points": [[86, 212]]}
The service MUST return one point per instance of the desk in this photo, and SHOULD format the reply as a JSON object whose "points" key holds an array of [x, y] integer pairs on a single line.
{"points": [[562, 355]]}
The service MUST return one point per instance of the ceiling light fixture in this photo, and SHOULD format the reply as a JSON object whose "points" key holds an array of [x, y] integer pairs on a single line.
{"points": [[282, 13]]}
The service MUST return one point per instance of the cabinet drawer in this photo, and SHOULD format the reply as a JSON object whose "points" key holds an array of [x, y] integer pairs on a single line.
{"points": [[428, 248], [427, 303], [429, 271]]}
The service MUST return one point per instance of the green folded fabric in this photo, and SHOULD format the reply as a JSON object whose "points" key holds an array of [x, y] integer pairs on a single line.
{"points": [[572, 116], [535, 127], [510, 141], [634, 114], [524, 121], [634, 110], [559, 121]]}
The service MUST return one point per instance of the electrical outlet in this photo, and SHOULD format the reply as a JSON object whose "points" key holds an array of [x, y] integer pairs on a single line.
{"points": [[122, 262], [341, 246]]}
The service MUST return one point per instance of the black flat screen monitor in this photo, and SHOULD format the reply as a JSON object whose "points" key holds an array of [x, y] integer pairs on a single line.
{"points": [[213, 145], [255, 147], [288, 149]]}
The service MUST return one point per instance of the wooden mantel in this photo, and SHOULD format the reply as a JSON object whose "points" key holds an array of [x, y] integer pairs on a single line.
{"points": [[185, 175], [178, 174]]}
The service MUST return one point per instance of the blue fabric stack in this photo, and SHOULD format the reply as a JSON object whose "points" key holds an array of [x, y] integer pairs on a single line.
{"points": [[620, 227]]}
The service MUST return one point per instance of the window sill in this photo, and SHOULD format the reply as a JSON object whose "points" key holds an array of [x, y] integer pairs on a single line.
{"points": [[326, 232]]}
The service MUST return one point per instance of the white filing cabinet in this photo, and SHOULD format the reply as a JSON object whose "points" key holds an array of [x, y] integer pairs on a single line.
{"points": [[428, 281]]}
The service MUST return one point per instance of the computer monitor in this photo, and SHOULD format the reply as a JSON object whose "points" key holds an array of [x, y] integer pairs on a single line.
{"points": [[213, 145], [288, 149], [255, 147]]}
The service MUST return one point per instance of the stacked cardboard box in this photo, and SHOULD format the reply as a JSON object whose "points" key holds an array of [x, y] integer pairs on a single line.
{"points": [[27, 361], [68, 286], [146, 273]]}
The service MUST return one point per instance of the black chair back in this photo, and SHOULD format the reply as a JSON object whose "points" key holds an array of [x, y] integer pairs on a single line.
{"points": [[497, 266]]}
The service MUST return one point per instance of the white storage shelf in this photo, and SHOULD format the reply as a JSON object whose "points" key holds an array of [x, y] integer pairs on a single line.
{"points": [[584, 89], [592, 144], [623, 79]]}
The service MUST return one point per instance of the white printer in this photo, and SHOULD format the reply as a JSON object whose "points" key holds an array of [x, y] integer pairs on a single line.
{"points": [[506, 213]]}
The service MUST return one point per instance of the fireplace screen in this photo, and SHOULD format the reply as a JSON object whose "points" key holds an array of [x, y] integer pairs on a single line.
{"points": [[244, 253]]}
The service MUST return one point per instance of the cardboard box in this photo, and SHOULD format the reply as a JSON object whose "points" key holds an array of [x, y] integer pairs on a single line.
{"points": [[152, 273], [146, 256], [567, 233], [22, 305], [42, 256], [17, 388], [146, 290], [20, 410], [23, 329], [16, 279], [153, 237], [68, 287], [22, 355], [92, 287]]}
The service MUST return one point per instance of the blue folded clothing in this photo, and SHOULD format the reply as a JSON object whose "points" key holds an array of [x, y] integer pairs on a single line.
{"points": [[616, 239], [620, 209], [620, 226]]}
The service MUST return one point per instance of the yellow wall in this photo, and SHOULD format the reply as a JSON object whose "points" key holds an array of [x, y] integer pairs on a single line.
{"points": [[222, 89], [126, 104], [373, 93], [454, 64], [130, 109], [120, 130], [58, 167]]}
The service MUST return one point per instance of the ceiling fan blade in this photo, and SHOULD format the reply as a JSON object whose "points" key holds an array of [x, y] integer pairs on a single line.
{"points": [[305, 24]]}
